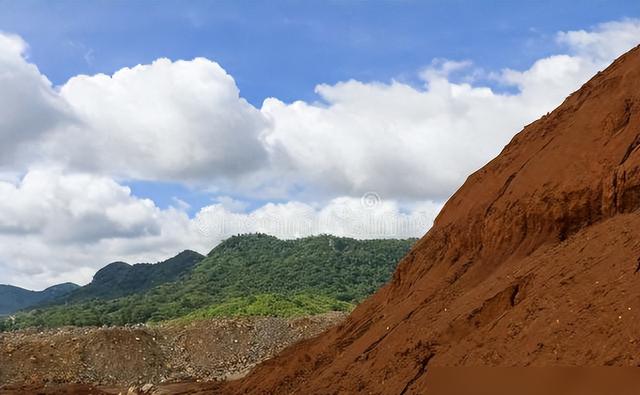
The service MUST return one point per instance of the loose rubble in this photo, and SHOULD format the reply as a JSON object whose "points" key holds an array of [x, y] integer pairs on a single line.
{"points": [[141, 356]]}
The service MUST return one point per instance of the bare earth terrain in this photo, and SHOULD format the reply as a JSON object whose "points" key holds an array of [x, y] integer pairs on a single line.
{"points": [[533, 262], [206, 350]]}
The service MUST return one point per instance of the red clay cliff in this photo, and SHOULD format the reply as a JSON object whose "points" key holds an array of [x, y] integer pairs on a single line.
{"points": [[533, 262]]}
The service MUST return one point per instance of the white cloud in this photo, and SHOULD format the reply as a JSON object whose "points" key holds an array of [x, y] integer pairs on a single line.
{"points": [[73, 208], [168, 120], [342, 216], [604, 42], [392, 138], [182, 121], [29, 108]]}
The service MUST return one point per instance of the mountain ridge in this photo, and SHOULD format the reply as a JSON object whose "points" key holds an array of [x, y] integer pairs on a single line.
{"points": [[251, 274]]}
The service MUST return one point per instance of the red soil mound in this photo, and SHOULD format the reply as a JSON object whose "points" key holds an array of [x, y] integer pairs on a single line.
{"points": [[534, 261]]}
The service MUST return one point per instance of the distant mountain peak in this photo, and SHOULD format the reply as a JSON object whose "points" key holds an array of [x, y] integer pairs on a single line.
{"points": [[110, 271]]}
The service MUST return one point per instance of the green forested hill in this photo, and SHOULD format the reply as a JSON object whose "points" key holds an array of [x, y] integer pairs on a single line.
{"points": [[249, 275]]}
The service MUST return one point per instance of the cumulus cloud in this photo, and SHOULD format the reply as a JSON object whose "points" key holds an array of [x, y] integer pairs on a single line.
{"points": [[604, 42], [397, 140], [181, 120], [29, 107], [364, 218], [74, 208]]}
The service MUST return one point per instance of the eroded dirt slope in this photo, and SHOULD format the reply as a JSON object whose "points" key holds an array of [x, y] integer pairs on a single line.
{"points": [[534, 261]]}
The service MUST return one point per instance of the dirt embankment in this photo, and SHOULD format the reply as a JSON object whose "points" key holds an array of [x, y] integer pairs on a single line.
{"points": [[205, 350], [533, 262]]}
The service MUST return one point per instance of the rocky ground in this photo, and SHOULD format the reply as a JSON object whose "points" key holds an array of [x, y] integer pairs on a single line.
{"points": [[120, 357]]}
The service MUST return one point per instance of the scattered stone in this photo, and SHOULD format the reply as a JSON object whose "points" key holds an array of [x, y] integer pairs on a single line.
{"points": [[205, 350]]}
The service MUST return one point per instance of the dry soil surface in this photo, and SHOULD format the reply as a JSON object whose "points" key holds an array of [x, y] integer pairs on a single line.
{"points": [[534, 261], [206, 350]]}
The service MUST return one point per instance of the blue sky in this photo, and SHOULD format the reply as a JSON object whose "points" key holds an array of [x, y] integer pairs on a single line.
{"points": [[285, 48], [355, 118]]}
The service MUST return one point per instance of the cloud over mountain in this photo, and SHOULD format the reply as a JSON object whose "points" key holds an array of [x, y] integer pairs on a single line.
{"points": [[71, 149], [56, 226]]}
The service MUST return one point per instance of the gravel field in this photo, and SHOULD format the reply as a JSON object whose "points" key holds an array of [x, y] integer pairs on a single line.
{"points": [[206, 350]]}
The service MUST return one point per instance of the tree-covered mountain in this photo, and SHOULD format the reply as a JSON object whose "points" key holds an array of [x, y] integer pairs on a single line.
{"points": [[120, 279], [13, 298], [113, 281], [248, 275]]}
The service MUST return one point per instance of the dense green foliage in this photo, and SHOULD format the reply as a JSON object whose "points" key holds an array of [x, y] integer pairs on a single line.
{"points": [[13, 298], [271, 305], [249, 274]]}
